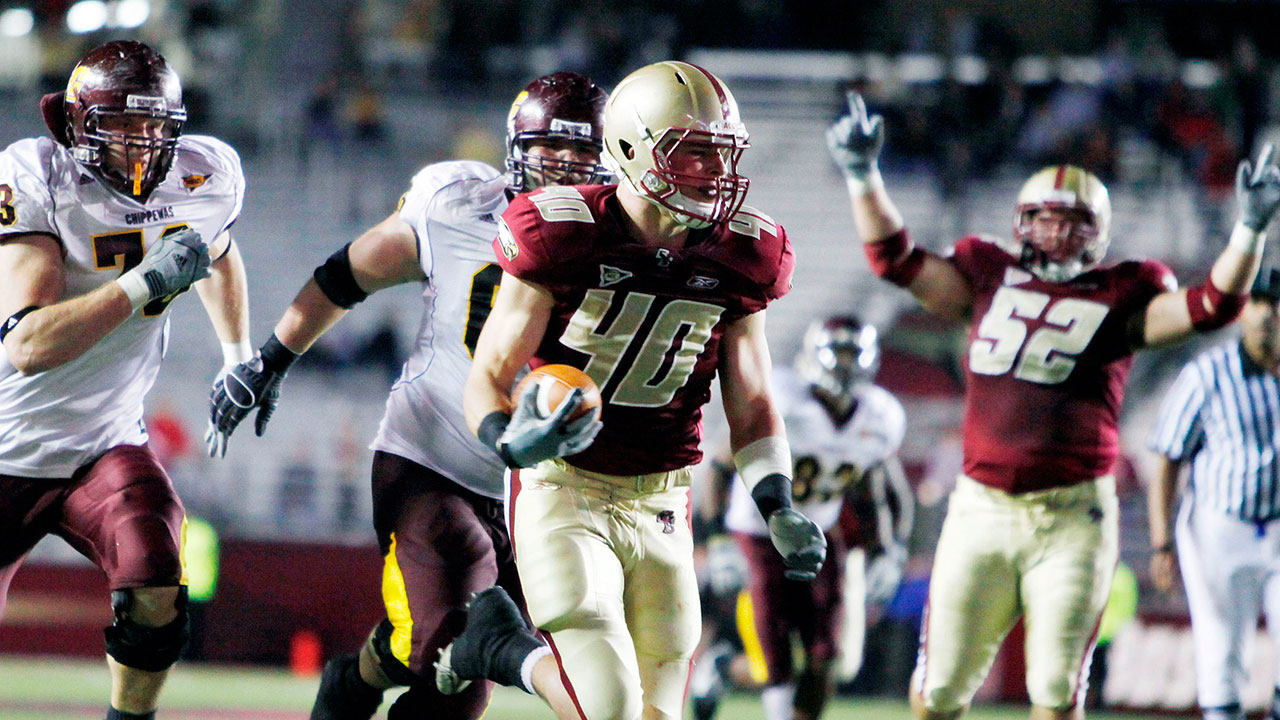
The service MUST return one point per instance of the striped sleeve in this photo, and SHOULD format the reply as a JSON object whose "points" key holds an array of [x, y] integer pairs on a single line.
{"points": [[1179, 429]]}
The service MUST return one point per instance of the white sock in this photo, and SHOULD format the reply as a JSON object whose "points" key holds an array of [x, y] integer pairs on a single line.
{"points": [[526, 668], [779, 701]]}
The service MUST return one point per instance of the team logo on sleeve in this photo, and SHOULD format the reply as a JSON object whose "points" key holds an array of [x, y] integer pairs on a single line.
{"points": [[507, 241], [191, 182], [610, 275]]}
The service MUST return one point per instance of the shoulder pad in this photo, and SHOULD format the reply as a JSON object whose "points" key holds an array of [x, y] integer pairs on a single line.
{"points": [[26, 199], [457, 180]]}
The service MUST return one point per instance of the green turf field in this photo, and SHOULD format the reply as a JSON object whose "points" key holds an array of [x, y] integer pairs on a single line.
{"points": [[45, 689]]}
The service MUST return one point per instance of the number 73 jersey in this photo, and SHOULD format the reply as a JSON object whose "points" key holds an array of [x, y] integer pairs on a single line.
{"points": [[644, 322], [1046, 367], [53, 422]]}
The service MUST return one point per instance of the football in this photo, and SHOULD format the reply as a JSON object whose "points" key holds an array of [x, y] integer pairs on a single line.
{"points": [[554, 382]]}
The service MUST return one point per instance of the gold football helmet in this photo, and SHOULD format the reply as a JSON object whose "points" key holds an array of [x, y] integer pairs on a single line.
{"points": [[672, 135], [1058, 249]]}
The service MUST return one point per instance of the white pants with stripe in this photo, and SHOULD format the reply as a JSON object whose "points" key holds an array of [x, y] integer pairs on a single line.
{"points": [[1231, 570], [1047, 556], [606, 563]]}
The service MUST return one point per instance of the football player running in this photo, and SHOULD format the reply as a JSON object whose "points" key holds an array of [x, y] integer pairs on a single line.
{"points": [[101, 226], [651, 286], [845, 433], [437, 490], [1031, 530]]}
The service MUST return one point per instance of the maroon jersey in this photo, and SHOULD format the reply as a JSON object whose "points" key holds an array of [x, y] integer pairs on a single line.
{"points": [[644, 322], [1046, 367]]}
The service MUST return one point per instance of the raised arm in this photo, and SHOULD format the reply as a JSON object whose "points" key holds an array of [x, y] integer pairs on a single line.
{"points": [[855, 141], [1176, 315]]}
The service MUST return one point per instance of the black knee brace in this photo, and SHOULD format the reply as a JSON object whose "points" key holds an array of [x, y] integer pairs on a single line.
{"points": [[141, 647], [396, 671]]}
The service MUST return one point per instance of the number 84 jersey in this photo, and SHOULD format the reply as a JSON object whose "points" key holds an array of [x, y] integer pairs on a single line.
{"points": [[1046, 367], [829, 455], [53, 422]]}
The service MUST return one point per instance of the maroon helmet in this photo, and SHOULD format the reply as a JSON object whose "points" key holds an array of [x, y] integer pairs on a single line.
{"points": [[118, 80], [563, 106]]}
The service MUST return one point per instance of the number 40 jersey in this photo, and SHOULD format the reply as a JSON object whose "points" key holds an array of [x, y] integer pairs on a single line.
{"points": [[644, 322], [53, 422], [1046, 367]]}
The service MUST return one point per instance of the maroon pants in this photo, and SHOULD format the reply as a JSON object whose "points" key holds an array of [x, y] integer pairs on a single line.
{"points": [[813, 610], [120, 511], [445, 543]]}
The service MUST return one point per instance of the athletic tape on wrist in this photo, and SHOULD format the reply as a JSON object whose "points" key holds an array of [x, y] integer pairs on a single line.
{"points": [[764, 457], [234, 353], [135, 288], [863, 186], [1247, 240]]}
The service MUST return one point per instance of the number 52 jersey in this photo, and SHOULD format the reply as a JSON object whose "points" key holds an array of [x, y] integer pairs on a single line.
{"points": [[53, 422], [1046, 367]]}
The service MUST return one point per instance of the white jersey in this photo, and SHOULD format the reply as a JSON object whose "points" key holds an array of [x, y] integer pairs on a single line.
{"points": [[827, 457], [54, 422], [453, 208]]}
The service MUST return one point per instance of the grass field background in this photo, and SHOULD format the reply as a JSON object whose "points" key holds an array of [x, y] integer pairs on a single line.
{"points": [[49, 688]]}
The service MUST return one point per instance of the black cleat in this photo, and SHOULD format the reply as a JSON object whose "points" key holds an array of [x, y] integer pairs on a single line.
{"points": [[492, 646], [709, 681], [344, 695]]}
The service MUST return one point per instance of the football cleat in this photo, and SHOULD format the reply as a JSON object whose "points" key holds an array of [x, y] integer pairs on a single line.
{"points": [[710, 680], [492, 646], [343, 694]]}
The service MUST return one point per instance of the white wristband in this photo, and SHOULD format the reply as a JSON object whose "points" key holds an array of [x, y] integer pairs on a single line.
{"points": [[135, 288], [762, 458], [861, 187], [234, 353], [1248, 242]]}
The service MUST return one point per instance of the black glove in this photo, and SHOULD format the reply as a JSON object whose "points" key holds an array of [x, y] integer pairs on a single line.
{"points": [[253, 383], [855, 140], [800, 541], [530, 438]]}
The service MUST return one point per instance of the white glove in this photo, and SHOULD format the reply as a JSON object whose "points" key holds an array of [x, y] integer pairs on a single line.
{"points": [[726, 567], [884, 573]]}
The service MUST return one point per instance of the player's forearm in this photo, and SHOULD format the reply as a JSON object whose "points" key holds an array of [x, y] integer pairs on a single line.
{"points": [[1160, 496], [900, 487], [874, 214], [225, 296], [1235, 268], [482, 396], [307, 318], [57, 334]]}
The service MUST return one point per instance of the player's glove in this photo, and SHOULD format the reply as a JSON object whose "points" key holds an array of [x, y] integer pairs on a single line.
{"points": [[530, 438], [884, 574], [253, 383], [855, 140], [726, 567], [1258, 190], [800, 541], [171, 265]]}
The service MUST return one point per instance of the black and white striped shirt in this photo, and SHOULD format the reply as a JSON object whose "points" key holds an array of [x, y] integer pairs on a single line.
{"points": [[1223, 415]]}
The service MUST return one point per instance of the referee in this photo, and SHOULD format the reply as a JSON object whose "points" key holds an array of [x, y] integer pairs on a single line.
{"points": [[1222, 417]]}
